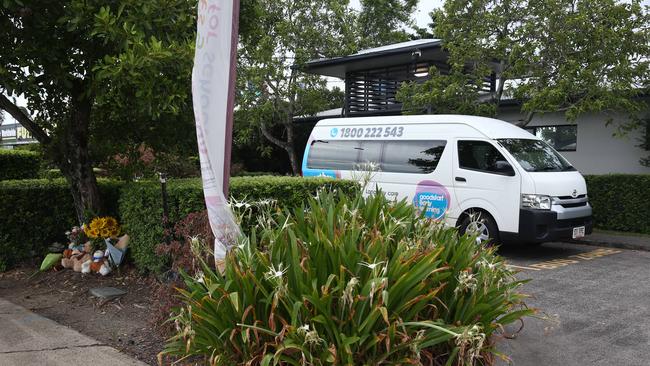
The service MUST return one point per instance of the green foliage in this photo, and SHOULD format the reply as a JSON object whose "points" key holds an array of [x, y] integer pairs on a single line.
{"points": [[35, 213], [552, 55], [141, 206], [381, 23], [348, 281], [19, 164], [124, 65], [620, 201], [456, 92]]}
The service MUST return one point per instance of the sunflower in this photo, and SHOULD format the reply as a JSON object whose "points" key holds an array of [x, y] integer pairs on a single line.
{"points": [[110, 222]]}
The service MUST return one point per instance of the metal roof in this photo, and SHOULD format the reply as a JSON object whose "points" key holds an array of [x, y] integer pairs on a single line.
{"points": [[378, 57]]}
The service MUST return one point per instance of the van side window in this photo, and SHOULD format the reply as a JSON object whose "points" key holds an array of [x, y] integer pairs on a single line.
{"points": [[333, 155], [407, 156], [478, 155], [420, 157]]}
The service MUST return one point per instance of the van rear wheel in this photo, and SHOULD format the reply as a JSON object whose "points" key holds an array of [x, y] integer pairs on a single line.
{"points": [[481, 225]]}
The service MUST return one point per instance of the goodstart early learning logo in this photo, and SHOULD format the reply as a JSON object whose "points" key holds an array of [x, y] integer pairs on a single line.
{"points": [[434, 196]]}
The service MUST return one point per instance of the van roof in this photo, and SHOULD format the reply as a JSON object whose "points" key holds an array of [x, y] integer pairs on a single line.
{"points": [[490, 127]]}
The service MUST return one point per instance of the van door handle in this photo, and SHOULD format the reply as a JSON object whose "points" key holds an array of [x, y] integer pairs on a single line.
{"points": [[461, 179]]}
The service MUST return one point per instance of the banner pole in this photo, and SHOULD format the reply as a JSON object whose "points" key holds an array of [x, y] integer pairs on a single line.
{"points": [[232, 82]]}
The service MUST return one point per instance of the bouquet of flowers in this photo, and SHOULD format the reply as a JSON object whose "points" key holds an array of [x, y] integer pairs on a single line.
{"points": [[76, 236], [102, 228]]}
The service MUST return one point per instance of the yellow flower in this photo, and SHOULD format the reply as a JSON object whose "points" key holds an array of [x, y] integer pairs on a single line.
{"points": [[110, 222], [105, 233], [94, 233]]}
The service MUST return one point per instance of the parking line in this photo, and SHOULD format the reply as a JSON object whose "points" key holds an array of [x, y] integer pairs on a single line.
{"points": [[522, 267]]}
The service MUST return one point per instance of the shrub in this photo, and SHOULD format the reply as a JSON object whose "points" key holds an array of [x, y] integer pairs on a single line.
{"points": [[361, 281], [35, 213], [141, 206], [19, 164], [620, 201]]}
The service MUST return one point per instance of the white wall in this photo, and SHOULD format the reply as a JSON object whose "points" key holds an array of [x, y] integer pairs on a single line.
{"points": [[597, 150]]}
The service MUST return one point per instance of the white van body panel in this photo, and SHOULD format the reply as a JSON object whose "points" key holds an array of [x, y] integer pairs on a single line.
{"points": [[447, 191], [558, 184]]}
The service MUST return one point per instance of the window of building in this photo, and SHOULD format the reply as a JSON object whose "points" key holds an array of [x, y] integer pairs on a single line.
{"points": [[562, 138], [408, 156], [479, 155]]}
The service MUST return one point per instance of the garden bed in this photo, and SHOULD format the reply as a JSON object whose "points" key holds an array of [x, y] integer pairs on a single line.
{"points": [[64, 297]]}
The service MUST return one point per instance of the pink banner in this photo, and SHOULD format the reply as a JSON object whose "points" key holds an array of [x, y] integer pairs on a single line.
{"points": [[213, 81]]}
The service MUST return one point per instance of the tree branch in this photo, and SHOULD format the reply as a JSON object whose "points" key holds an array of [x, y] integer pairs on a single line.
{"points": [[20, 116], [273, 139]]}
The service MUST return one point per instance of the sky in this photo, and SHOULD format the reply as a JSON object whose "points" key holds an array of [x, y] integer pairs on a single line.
{"points": [[422, 18]]}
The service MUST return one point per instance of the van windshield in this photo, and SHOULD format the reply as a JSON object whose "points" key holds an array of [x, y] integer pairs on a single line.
{"points": [[536, 155]]}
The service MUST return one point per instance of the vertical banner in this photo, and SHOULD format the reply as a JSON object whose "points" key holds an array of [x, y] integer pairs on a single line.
{"points": [[213, 85]]}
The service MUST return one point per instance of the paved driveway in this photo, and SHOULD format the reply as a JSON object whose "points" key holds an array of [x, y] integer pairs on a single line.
{"points": [[596, 302]]}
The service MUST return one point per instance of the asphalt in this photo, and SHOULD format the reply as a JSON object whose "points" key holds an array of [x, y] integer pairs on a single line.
{"points": [[594, 306], [30, 339], [614, 240]]}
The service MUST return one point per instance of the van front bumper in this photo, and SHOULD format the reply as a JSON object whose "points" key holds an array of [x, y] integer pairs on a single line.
{"points": [[538, 226]]}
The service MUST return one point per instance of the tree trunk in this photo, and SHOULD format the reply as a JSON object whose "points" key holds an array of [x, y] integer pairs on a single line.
{"points": [[293, 159], [75, 162], [285, 145]]}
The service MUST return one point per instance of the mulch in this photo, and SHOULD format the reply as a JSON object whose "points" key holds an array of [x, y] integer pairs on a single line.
{"points": [[125, 323]]}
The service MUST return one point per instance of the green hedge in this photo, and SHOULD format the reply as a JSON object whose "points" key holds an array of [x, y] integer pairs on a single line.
{"points": [[620, 201], [19, 164], [34, 213], [141, 206]]}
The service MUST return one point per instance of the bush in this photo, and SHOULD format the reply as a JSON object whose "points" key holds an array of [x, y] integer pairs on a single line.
{"points": [[35, 213], [141, 206], [353, 281], [620, 201], [19, 164]]}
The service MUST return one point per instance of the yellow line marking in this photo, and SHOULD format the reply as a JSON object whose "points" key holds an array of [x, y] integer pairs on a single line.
{"points": [[573, 259], [522, 267]]}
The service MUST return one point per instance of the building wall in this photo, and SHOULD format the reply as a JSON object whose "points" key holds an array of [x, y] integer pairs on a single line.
{"points": [[597, 150]]}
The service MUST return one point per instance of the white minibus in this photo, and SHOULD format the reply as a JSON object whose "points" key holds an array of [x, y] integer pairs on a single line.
{"points": [[482, 175]]}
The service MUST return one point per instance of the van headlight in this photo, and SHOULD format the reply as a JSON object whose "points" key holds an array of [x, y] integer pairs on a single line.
{"points": [[536, 201]]}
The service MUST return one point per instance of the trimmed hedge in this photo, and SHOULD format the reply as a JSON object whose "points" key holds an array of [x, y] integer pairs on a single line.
{"points": [[621, 202], [19, 164], [34, 213], [141, 206]]}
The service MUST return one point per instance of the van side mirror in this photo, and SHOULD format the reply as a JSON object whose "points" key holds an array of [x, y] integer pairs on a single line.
{"points": [[503, 167]]}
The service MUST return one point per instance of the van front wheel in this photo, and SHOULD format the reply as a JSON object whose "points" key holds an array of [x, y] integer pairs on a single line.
{"points": [[481, 225]]}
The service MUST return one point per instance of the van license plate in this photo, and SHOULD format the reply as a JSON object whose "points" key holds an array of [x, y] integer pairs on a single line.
{"points": [[578, 232]]}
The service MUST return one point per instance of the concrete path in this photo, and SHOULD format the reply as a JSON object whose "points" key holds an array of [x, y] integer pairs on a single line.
{"points": [[30, 339]]}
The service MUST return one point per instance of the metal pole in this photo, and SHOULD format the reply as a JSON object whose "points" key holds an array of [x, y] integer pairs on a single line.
{"points": [[231, 95], [165, 217]]}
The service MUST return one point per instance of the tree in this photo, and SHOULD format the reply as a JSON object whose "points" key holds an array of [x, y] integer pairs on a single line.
{"points": [[383, 22], [81, 61], [572, 56], [271, 88]]}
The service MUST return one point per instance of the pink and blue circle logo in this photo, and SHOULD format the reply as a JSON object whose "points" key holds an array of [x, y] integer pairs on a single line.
{"points": [[434, 197]]}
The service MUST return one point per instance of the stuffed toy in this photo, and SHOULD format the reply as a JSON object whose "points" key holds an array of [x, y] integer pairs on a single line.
{"points": [[79, 260], [105, 269], [85, 266]]}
